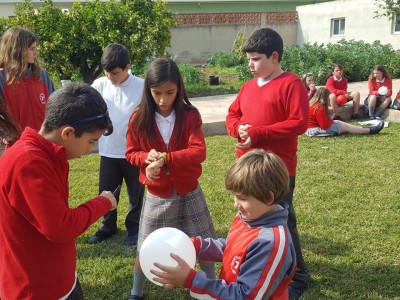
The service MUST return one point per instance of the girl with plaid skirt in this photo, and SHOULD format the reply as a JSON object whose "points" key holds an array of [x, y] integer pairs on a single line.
{"points": [[166, 141]]}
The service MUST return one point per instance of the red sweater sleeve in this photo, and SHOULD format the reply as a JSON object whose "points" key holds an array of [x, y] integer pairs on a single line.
{"points": [[31, 191]]}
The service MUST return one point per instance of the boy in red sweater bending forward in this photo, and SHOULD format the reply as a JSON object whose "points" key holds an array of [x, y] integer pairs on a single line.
{"points": [[37, 226], [270, 112]]}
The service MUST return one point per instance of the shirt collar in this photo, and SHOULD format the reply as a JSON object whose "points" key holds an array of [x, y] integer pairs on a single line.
{"points": [[381, 81], [170, 119], [334, 77]]}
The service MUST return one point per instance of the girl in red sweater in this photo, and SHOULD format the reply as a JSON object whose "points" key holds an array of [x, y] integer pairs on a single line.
{"points": [[24, 85], [166, 141], [380, 92], [321, 123]]}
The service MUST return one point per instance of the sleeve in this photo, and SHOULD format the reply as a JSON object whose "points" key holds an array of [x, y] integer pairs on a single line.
{"points": [[44, 76], [195, 152], [134, 153], [389, 86], [38, 196], [211, 249], [232, 121], [266, 263], [296, 106], [323, 121], [330, 85], [372, 88]]}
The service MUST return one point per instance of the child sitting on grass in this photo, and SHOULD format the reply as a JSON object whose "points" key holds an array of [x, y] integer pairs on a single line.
{"points": [[258, 256], [320, 121]]}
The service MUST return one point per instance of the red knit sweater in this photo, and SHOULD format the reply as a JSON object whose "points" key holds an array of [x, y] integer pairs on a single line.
{"points": [[277, 112], [37, 227], [337, 87], [184, 161], [318, 117]]}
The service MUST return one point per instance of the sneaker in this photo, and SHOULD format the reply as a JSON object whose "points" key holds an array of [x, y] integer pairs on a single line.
{"points": [[378, 118], [131, 240], [354, 116], [294, 294], [371, 117], [337, 117], [100, 236], [134, 297], [377, 128]]}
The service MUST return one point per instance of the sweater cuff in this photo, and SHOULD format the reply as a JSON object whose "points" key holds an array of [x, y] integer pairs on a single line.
{"points": [[197, 244], [189, 279]]}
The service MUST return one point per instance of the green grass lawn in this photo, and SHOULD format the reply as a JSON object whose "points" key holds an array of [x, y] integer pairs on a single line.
{"points": [[347, 200]]}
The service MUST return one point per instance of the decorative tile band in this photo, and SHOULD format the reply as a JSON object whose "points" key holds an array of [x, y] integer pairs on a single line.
{"points": [[236, 18]]}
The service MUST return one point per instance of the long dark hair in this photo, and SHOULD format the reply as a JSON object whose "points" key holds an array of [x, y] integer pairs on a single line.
{"points": [[159, 72], [9, 129]]}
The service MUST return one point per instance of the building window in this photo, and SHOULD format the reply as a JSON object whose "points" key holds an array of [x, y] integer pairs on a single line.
{"points": [[338, 26], [396, 23]]}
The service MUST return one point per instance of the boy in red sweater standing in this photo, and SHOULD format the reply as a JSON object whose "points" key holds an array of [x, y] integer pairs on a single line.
{"points": [[270, 112], [37, 226], [337, 85]]}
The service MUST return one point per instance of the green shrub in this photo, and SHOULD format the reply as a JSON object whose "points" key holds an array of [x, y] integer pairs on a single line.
{"points": [[191, 74], [225, 59], [357, 57], [243, 72]]}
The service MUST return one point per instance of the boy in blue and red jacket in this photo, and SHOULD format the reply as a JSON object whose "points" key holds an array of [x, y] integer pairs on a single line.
{"points": [[258, 256]]}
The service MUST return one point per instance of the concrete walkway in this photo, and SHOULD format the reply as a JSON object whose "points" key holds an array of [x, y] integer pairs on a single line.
{"points": [[214, 109]]}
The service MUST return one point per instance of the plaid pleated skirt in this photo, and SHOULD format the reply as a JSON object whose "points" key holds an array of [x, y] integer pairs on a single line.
{"points": [[188, 213]]}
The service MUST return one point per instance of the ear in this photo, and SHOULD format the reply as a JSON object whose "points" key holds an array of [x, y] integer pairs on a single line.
{"points": [[271, 198], [275, 56], [67, 132]]}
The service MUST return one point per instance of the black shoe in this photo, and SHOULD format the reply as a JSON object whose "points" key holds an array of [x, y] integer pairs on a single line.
{"points": [[337, 117], [377, 128], [294, 294], [371, 117], [131, 240], [354, 116], [100, 236], [134, 297]]}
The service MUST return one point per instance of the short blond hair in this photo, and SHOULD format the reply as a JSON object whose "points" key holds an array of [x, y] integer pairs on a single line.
{"points": [[258, 173]]}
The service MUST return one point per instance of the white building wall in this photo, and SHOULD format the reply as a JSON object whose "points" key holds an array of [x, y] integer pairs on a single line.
{"points": [[314, 23]]}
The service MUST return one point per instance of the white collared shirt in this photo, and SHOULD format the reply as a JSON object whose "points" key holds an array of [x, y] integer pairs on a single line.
{"points": [[340, 79], [166, 126], [381, 81]]}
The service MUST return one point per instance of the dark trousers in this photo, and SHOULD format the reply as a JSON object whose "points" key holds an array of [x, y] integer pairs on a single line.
{"points": [[302, 276], [77, 293], [112, 172]]}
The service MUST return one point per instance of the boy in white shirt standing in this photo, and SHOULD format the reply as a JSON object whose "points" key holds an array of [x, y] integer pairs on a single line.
{"points": [[122, 92]]}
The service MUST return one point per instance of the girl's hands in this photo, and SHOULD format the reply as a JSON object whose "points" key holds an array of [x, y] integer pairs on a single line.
{"points": [[153, 170], [171, 277], [152, 156]]}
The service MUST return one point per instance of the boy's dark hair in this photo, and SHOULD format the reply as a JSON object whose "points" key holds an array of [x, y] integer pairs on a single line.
{"points": [[78, 105], [115, 56], [264, 41], [258, 173], [336, 66]]}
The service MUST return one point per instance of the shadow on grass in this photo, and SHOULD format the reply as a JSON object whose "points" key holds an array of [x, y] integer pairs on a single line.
{"points": [[335, 277]]}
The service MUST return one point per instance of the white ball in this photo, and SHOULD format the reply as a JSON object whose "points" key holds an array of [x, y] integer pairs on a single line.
{"points": [[383, 90], [158, 246]]}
